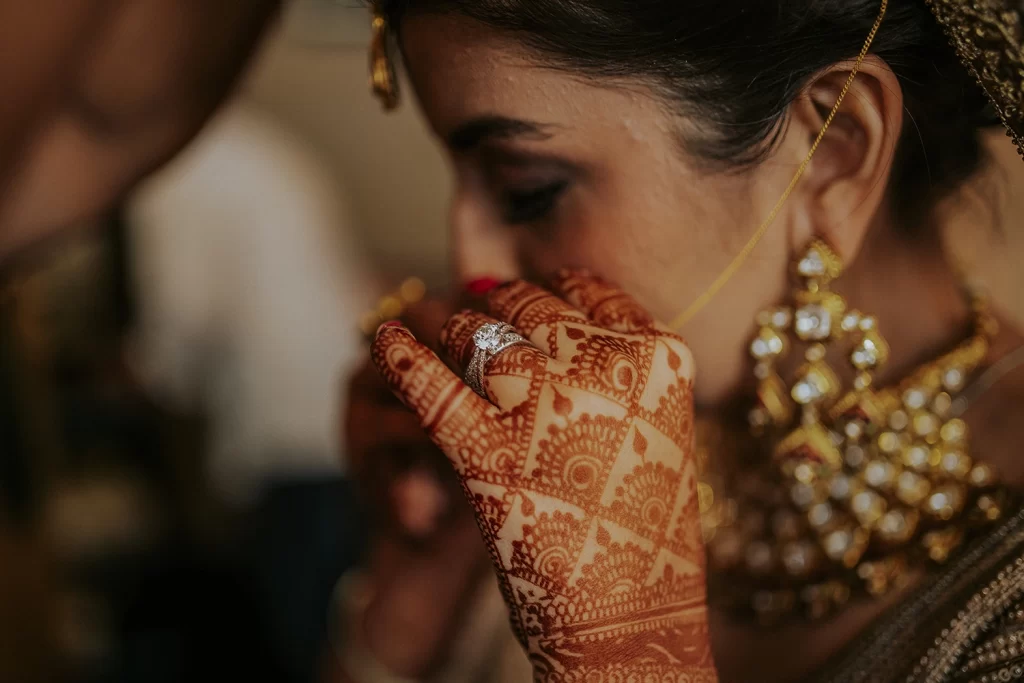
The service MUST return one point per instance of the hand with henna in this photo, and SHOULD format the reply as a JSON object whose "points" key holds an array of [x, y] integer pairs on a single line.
{"points": [[426, 559], [580, 469]]}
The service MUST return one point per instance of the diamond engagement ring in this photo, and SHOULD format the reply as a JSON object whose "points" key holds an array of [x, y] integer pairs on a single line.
{"points": [[490, 340]]}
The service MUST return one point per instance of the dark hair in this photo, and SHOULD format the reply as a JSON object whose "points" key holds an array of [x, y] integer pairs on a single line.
{"points": [[737, 65]]}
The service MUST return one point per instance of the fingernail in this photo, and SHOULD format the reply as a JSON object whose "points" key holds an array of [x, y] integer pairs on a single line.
{"points": [[482, 285], [390, 323], [566, 273]]}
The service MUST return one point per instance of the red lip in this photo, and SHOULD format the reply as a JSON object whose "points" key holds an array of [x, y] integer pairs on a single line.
{"points": [[482, 285]]}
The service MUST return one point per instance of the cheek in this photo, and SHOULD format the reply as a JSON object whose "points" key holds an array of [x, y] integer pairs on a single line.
{"points": [[666, 249], [662, 237]]}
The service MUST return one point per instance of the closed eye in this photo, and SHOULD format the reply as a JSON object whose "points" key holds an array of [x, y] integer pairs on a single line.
{"points": [[532, 204]]}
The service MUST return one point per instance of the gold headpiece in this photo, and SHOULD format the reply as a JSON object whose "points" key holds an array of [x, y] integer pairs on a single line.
{"points": [[989, 37], [383, 75]]}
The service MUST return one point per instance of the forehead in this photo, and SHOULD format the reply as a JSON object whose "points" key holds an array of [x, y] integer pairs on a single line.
{"points": [[462, 69]]}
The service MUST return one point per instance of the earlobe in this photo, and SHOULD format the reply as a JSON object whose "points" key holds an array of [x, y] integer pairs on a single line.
{"points": [[845, 185]]}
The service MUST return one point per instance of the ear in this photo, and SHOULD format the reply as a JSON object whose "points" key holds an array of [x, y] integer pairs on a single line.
{"points": [[845, 185]]}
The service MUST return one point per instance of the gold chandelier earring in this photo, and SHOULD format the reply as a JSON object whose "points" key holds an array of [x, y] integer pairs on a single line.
{"points": [[863, 481]]}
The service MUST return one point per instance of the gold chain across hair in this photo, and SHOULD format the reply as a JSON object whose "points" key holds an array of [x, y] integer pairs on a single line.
{"points": [[384, 83], [730, 271]]}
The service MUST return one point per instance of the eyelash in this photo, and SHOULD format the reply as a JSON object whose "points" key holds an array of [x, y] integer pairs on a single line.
{"points": [[528, 206]]}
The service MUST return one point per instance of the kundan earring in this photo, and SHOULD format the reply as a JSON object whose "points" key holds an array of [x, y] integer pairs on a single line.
{"points": [[863, 481]]}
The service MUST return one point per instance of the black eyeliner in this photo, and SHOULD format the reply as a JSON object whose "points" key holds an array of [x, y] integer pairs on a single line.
{"points": [[526, 206]]}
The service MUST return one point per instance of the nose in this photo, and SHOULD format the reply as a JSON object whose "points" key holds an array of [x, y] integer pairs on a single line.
{"points": [[482, 248]]}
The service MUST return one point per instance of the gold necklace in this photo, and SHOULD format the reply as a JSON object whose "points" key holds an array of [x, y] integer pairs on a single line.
{"points": [[843, 490]]}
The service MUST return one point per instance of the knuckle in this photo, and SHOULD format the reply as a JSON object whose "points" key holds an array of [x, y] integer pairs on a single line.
{"points": [[458, 331], [680, 357], [570, 274], [507, 295], [622, 311], [450, 328], [517, 361]]}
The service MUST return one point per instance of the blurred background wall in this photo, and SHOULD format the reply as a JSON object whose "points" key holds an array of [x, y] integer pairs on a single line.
{"points": [[312, 76]]}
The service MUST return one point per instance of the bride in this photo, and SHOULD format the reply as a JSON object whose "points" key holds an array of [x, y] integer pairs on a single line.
{"points": [[783, 443]]}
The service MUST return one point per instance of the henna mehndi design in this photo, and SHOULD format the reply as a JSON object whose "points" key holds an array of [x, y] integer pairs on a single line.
{"points": [[581, 473]]}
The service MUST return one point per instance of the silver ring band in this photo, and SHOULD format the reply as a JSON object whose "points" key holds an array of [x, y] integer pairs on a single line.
{"points": [[490, 340]]}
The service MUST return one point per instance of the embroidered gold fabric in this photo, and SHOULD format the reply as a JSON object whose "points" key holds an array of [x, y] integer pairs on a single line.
{"points": [[965, 625], [989, 37]]}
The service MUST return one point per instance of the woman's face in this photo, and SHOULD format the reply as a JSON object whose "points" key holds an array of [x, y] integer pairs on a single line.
{"points": [[555, 170]]}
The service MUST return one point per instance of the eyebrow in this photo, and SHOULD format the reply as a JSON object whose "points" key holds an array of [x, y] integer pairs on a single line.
{"points": [[470, 134]]}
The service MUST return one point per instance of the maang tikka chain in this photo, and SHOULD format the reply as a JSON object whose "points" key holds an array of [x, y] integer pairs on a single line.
{"points": [[701, 302]]}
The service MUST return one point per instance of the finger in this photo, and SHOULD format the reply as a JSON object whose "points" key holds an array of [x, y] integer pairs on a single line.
{"points": [[506, 377], [367, 387], [602, 302], [369, 426], [447, 409], [419, 501], [374, 419], [535, 312], [426, 319], [458, 336]]}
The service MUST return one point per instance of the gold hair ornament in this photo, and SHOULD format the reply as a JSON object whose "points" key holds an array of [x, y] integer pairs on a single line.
{"points": [[730, 271], [989, 38], [383, 76]]}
